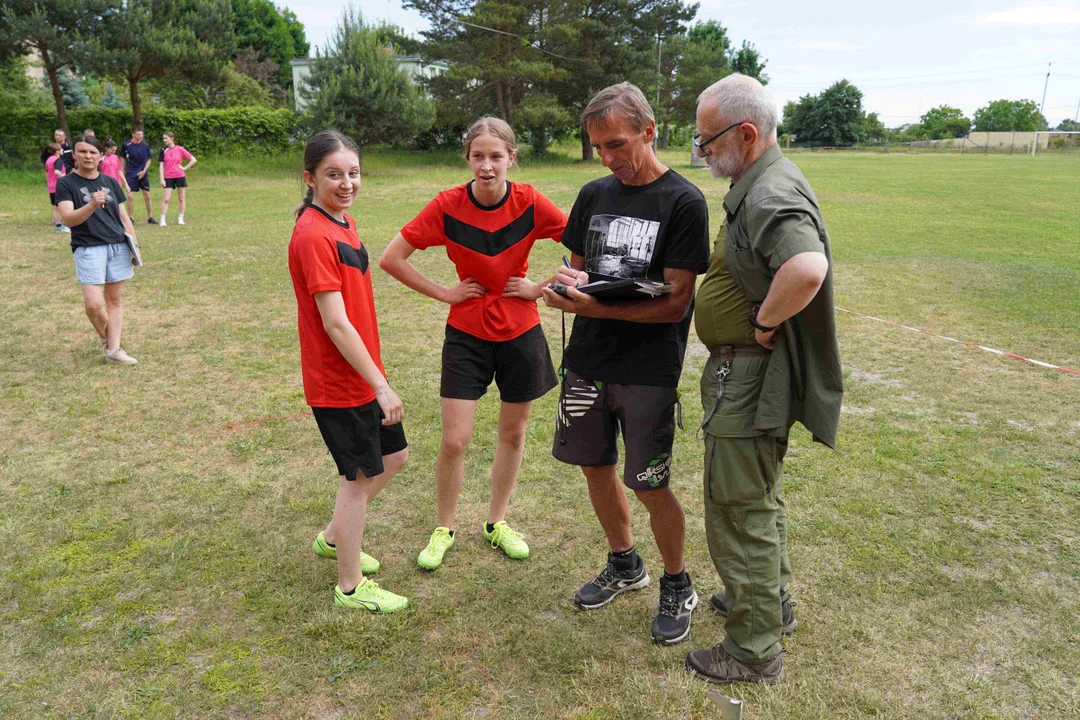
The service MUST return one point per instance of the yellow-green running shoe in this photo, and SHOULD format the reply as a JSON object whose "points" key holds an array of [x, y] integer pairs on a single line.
{"points": [[501, 536], [368, 564], [431, 557], [369, 596]]}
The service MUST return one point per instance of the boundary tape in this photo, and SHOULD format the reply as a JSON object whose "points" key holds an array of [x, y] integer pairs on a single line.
{"points": [[963, 342]]}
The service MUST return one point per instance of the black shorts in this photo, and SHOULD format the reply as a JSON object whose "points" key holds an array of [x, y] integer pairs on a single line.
{"points": [[521, 367], [52, 198], [180, 182], [135, 183], [591, 415], [357, 439]]}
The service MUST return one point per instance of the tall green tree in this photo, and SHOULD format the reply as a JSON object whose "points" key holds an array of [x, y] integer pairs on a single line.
{"points": [[205, 70], [54, 30], [1007, 115], [748, 61], [704, 61], [944, 122], [1067, 125], [273, 33], [16, 90], [142, 40], [358, 88], [833, 117]]}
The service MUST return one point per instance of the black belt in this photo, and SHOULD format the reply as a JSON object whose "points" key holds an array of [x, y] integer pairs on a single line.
{"points": [[732, 350]]}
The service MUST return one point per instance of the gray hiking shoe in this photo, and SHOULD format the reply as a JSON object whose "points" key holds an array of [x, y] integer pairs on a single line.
{"points": [[715, 665], [788, 623]]}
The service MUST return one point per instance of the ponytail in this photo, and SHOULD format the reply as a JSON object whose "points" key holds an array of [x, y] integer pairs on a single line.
{"points": [[306, 202]]}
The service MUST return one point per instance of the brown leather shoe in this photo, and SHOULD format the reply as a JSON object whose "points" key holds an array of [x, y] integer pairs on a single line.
{"points": [[716, 666], [788, 623]]}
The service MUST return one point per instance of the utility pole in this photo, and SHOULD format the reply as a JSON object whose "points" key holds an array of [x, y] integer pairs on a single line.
{"points": [[1076, 118], [656, 135], [1045, 85]]}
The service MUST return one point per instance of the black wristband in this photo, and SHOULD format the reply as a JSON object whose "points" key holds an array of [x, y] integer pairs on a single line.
{"points": [[753, 320]]}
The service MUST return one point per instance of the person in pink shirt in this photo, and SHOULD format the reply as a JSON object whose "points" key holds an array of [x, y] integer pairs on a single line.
{"points": [[54, 170], [173, 173], [110, 164]]}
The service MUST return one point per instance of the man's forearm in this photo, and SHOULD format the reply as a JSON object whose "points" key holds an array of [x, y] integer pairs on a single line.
{"points": [[664, 309], [793, 287]]}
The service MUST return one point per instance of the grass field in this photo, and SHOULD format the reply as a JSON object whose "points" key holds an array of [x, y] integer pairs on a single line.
{"points": [[156, 521]]}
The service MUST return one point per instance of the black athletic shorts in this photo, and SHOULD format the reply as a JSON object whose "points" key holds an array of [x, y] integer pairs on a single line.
{"points": [[591, 416], [52, 198], [136, 183], [180, 182], [357, 439], [521, 367]]}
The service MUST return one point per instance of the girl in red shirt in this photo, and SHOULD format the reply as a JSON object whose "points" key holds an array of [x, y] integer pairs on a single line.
{"points": [[357, 412], [493, 330]]}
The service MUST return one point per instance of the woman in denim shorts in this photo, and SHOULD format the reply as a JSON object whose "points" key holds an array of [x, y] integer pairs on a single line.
{"points": [[92, 205]]}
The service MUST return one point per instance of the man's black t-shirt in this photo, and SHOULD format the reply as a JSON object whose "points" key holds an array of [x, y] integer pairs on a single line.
{"points": [[104, 226], [67, 158], [635, 232]]}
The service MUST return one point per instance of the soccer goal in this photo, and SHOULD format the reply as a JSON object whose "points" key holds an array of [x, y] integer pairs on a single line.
{"points": [[1067, 141]]}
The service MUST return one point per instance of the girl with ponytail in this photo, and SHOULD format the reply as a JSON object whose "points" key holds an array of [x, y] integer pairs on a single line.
{"points": [[357, 411]]}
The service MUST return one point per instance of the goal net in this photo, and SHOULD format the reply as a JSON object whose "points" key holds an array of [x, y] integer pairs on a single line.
{"points": [[1056, 141]]}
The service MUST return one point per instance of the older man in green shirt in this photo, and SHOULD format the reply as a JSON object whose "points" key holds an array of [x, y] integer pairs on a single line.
{"points": [[765, 311]]}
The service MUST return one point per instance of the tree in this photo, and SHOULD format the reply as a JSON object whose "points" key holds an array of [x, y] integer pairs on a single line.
{"points": [[834, 117], [358, 88], [748, 61], [944, 122], [273, 33], [1068, 126], [1008, 115], [205, 70], [142, 40], [72, 89], [704, 60], [53, 29], [16, 90], [873, 130]]}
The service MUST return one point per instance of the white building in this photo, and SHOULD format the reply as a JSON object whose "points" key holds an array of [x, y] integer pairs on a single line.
{"points": [[414, 65]]}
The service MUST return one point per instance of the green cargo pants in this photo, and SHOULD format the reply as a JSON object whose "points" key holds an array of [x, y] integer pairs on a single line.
{"points": [[745, 519]]}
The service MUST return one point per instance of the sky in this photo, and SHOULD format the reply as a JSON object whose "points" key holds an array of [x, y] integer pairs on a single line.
{"points": [[906, 58]]}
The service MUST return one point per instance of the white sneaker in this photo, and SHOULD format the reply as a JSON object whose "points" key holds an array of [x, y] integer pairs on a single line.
{"points": [[162, 223], [65, 229], [119, 357], [180, 221]]}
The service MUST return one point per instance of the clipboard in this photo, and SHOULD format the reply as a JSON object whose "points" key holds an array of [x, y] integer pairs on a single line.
{"points": [[133, 248]]}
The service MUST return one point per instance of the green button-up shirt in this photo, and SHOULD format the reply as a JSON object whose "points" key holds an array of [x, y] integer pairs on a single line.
{"points": [[773, 215]]}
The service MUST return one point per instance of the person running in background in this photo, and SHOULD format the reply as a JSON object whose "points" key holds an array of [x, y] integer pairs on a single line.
{"points": [[488, 226], [137, 157], [357, 412], [110, 164], [173, 174], [54, 170], [92, 205]]}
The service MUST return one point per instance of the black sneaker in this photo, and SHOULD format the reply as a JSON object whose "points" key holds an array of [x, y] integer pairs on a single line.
{"points": [[152, 221], [788, 623], [677, 602], [611, 583]]}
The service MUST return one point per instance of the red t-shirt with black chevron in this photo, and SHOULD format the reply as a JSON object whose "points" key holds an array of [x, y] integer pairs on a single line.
{"points": [[325, 256], [490, 245]]}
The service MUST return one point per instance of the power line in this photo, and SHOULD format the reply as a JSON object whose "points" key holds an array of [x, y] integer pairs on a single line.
{"points": [[531, 43]]}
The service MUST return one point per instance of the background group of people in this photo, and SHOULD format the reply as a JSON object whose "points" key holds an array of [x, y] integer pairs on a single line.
{"points": [[764, 310], [89, 202]]}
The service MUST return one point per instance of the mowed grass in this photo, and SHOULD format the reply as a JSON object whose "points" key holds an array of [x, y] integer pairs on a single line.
{"points": [[156, 521]]}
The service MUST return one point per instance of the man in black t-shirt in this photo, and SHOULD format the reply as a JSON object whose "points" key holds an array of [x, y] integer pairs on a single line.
{"points": [[60, 137], [621, 368]]}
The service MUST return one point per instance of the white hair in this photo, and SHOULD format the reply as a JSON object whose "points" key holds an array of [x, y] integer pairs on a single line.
{"points": [[741, 98]]}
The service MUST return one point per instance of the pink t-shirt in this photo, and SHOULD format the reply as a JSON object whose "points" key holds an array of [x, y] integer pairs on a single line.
{"points": [[172, 158], [50, 173], [110, 165]]}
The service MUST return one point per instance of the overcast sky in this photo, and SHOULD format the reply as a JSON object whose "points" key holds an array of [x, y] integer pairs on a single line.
{"points": [[905, 57]]}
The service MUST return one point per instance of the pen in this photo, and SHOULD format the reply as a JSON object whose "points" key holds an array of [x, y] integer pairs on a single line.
{"points": [[567, 262]]}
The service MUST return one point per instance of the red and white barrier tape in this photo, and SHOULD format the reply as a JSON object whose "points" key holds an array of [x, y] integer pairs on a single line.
{"points": [[963, 342]]}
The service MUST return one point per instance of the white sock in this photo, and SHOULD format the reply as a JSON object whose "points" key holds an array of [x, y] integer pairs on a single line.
{"points": [[181, 216], [162, 218]]}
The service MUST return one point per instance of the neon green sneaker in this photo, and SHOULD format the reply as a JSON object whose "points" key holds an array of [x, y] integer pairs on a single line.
{"points": [[369, 596], [511, 542], [368, 564], [431, 557]]}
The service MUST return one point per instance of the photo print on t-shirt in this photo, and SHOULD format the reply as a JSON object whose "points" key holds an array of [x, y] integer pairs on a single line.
{"points": [[87, 194], [620, 246]]}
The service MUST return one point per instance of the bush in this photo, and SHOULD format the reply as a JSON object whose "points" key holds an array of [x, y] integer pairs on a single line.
{"points": [[229, 131]]}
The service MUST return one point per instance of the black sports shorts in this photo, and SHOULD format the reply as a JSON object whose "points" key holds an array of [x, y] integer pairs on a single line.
{"points": [[136, 183], [591, 415], [357, 439], [180, 182], [521, 367]]}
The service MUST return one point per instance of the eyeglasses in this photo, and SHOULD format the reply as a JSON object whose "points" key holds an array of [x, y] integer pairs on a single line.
{"points": [[700, 146]]}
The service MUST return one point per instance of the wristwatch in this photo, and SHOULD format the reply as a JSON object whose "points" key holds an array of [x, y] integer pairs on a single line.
{"points": [[753, 320]]}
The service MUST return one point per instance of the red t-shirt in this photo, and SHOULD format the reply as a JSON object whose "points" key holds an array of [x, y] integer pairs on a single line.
{"points": [[326, 256], [490, 245]]}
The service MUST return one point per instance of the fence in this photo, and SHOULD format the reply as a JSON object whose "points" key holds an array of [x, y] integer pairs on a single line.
{"points": [[982, 143]]}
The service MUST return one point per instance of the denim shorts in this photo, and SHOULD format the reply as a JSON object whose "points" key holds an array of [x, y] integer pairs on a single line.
{"points": [[100, 264]]}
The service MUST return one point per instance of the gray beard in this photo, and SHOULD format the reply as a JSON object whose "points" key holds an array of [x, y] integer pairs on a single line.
{"points": [[723, 166]]}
